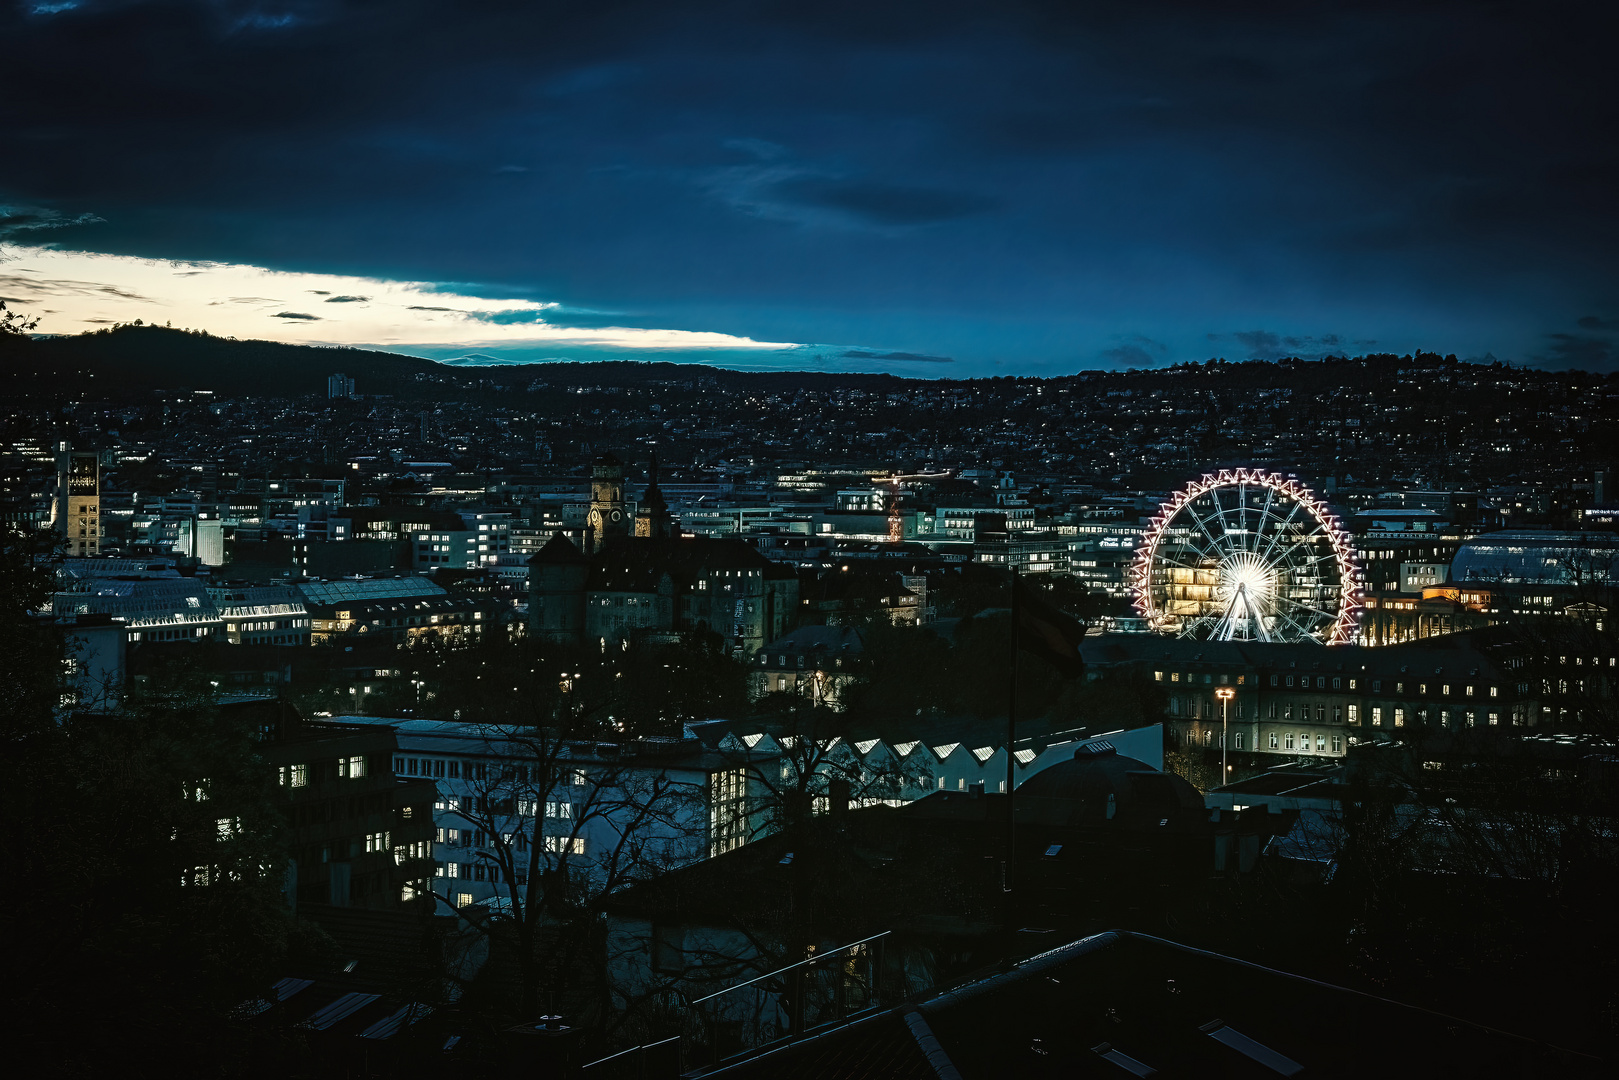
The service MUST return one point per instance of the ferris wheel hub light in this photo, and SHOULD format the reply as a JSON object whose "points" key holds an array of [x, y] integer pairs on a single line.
{"points": [[1247, 574]]}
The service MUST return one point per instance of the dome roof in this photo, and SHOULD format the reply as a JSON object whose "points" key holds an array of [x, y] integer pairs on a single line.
{"points": [[1094, 781]]}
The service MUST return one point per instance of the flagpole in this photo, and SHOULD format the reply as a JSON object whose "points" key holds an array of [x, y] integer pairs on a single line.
{"points": [[1011, 744]]}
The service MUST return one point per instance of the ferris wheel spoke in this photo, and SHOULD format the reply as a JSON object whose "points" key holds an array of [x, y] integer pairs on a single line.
{"points": [[1214, 544], [1183, 566], [1303, 631], [1307, 607], [1199, 550], [1280, 531]]}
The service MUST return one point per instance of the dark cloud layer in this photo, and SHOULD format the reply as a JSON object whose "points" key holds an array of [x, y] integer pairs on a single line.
{"points": [[903, 357], [1268, 345], [1019, 183]]}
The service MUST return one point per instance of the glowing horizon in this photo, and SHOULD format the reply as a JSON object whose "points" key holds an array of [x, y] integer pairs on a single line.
{"points": [[77, 291]]}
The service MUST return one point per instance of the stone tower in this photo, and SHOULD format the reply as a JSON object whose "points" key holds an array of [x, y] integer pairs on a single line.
{"points": [[607, 519], [556, 592]]}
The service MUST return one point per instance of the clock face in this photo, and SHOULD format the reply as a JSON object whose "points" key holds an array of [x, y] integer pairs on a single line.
{"points": [[616, 515]]}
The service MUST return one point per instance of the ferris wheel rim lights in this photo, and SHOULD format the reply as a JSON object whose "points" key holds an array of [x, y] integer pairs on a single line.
{"points": [[1350, 580]]}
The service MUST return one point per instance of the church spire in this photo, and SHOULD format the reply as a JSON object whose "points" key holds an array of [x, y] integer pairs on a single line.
{"points": [[652, 519]]}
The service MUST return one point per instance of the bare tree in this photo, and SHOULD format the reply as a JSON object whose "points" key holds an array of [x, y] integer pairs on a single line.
{"points": [[811, 768], [560, 824]]}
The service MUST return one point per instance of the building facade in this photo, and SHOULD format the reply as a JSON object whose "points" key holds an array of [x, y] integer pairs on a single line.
{"points": [[1310, 702], [640, 587], [361, 835], [78, 500]]}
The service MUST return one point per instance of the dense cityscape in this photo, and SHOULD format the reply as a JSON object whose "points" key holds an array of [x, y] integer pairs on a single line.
{"points": [[595, 690], [712, 541]]}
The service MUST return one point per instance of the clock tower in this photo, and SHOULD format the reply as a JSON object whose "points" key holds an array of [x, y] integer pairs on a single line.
{"points": [[607, 518]]}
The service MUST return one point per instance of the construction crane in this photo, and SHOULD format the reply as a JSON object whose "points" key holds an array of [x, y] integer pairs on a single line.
{"points": [[896, 523]]}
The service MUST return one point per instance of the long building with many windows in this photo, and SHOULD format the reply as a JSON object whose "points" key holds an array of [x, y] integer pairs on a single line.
{"points": [[1309, 701]]}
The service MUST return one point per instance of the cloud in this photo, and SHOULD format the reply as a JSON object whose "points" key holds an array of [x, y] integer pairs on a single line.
{"points": [[508, 170], [232, 299], [903, 357], [63, 287], [883, 204], [773, 185], [1582, 351], [1136, 352], [16, 220], [348, 299], [1268, 345], [759, 149], [1593, 322], [481, 360]]}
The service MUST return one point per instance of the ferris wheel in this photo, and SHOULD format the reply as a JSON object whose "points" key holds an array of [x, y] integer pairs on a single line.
{"points": [[1246, 555]]}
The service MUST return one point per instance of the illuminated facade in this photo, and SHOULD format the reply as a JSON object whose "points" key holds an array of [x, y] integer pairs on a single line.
{"points": [[78, 500]]}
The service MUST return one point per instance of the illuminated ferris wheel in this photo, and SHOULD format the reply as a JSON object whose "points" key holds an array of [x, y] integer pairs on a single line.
{"points": [[1246, 555]]}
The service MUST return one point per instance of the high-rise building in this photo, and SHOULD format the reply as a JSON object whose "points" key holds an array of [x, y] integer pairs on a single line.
{"points": [[339, 386], [78, 500]]}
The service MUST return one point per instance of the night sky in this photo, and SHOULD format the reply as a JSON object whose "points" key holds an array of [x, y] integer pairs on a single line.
{"points": [[934, 189]]}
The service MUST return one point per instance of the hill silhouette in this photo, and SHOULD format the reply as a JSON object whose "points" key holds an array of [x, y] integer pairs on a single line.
{"points": [[136, 360], [128, 358]]}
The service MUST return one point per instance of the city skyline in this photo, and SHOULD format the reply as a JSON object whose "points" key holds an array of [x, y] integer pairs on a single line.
{"points": [[746, 539], [952, 192]]}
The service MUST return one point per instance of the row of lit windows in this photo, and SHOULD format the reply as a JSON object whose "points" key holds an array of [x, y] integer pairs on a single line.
{"points": [[179, 633], [348, 768], [1337, 683]]}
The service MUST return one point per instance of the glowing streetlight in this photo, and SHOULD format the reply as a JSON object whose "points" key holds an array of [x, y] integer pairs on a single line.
{"points": [[1225, 694]]}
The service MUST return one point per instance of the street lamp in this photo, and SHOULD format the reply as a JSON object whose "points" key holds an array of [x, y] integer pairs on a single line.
{"points": [[1225, 694]]}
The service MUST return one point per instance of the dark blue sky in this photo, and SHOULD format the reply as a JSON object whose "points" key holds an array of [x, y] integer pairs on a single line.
{"points": [[1020, 188]]}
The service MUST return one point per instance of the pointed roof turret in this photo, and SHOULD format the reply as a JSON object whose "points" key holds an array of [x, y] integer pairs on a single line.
{"points": [[558, 550]]}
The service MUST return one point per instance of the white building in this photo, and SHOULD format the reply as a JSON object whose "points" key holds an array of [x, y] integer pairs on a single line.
{"points": [[480, 543], [262, 614], [704, 802]]}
